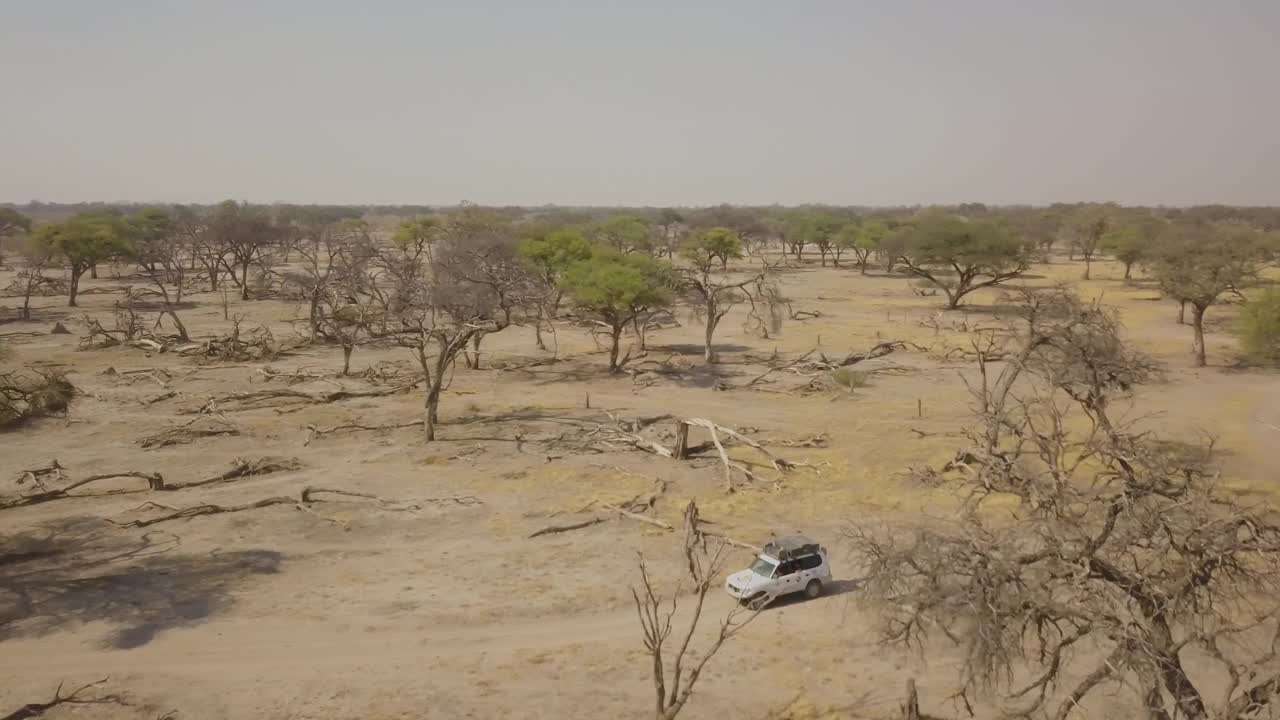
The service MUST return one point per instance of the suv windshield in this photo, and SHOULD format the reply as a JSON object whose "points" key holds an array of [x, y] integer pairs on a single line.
{"points": [[763, 567]]}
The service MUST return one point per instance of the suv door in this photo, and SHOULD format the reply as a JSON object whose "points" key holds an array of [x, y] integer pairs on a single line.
{"points": [[787, 578], [809, 568]]}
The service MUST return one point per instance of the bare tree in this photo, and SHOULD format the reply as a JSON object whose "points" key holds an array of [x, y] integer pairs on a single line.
{"points": [[160, 250], [333, 254], [657, 617], [713, 294], [242, 236], [31, 280], [1121, 556], [453, 291]]}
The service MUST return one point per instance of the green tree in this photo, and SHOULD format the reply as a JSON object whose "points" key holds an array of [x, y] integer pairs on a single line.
{"points": [[1195, 263], [617, 289], [1259, 326], [862, 239], [1130, 239], [12, 223], [624, 234], [819, 229], [547, 256], [1086, 235], [958, 255], [83, 241]]}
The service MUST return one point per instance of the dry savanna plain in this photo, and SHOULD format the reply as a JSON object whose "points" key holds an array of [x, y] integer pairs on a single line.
{"points": [[431, 600]]}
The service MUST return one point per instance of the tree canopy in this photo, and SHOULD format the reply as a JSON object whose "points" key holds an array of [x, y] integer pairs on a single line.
{"points": [[958, 255], [1195, 263], [617, 288], [85, 240]]}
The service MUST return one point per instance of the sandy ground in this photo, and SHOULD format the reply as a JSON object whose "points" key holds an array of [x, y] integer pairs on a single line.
{"points": [[451, 611]]}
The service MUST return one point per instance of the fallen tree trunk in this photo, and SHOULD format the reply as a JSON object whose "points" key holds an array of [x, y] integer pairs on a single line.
{"points": [[155, 481], [248, 401], [305, 499], [553, 529]]}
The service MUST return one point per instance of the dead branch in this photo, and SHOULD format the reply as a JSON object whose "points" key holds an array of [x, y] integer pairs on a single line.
{"points": [[183, 435], [31, 710], [248, 401], [553, 529], [636, 516], [314, 432], [159, 398]]}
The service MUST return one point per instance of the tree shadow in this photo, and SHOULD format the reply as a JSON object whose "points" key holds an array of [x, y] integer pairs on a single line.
{"points": [[80, 570]]}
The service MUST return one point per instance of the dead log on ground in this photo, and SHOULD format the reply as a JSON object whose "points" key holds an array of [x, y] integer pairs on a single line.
{"points": [[314, 432], [553, 529], [249, 401], [183, 435], [306, 498]]}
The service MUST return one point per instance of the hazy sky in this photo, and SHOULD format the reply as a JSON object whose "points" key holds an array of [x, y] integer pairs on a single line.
{"points": [[643, 102]]}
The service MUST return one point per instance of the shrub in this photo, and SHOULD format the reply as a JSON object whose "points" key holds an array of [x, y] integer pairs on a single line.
{"points": [[848, 378], [1260, 326]]}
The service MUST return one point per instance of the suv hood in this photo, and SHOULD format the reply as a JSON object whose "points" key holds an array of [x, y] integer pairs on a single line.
{"points": [[746, 580]]}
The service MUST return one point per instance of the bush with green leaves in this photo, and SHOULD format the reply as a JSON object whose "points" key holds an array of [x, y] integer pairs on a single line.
{"points": [[1259, 326]]}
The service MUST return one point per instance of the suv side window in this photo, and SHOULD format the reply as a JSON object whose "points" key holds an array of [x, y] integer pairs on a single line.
{"points": [[786, 568], [810, 562]]}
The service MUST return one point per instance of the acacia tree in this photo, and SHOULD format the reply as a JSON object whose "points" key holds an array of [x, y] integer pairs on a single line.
{"points": [[958, 255], [332, 253], [713, 296], [31, 279], [1196, 263], [670, 225], [82, 242], [617, 289], [862, 239], [1121, 559], [159, 250], [12, 223], [1086, 235], [623, 234], [1130, 239], [243, 235], [546, 257], [819, 229], [445, 300]]}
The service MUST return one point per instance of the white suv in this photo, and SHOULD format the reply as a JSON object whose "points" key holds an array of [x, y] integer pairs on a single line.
{"points": [[787, 565]]}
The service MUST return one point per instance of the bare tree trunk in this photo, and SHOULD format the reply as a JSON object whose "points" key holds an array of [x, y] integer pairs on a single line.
{"points": [[346, 357], [177, 322], [315, 316], [1182, 312], [709, 353], [615, 336], [537, 331], [93, 271], [75, 287], [244, 280], [1128, 271], [1197, 324], [1088, 262]]}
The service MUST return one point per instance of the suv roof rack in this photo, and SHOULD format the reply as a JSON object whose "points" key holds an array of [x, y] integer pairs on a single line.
{"points": [[788, 547]]}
